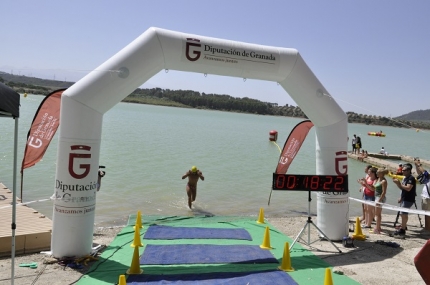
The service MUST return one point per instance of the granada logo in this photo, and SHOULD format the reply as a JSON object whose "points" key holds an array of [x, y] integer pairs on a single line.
{"points": [[73, 156], [191, 51], [283, 160], [36, 144], [341, 163]]}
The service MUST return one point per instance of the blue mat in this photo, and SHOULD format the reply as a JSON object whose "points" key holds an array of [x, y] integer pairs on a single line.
{"points": [[224, 278], [166, 232], [205, 253]]}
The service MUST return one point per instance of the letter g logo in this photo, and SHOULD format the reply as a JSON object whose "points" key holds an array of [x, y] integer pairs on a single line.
{"points": [[197, 53], [341, 163], [72, 157], [36, 144]]}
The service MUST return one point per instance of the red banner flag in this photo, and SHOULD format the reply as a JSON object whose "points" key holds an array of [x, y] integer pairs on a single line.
{"points": [[43, 128], [292, 145]]}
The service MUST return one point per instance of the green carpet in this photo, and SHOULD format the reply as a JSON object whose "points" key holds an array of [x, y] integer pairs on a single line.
{"points": [[117, 257]]}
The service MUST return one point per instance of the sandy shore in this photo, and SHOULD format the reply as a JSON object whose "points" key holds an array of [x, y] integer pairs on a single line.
{"points": [[368, 262]]}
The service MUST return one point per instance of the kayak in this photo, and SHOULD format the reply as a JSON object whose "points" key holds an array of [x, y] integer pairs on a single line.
{"points": [[376, 134]]}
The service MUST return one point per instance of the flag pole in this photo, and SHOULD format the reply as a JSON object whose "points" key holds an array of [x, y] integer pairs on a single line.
{"points": [[271, 188]]}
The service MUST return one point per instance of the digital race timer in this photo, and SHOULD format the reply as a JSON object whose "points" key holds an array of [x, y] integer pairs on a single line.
{"points": [[308, 182]]}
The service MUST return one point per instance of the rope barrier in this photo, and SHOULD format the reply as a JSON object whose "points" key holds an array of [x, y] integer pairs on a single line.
{"points": [[277, 146], [372, 112], [30, 202], [392, 207]]}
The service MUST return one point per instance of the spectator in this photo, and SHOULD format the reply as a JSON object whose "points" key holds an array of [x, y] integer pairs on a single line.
{"points": [[383, 151], [369, 195], [424, 178], [380, 197], [361, 155], [362, 188], [399, 169], [354, 141], [407, 198], [358, 145]]}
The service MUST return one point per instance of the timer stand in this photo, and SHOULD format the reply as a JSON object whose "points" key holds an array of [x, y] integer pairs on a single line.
{"points": [[308, 224]]}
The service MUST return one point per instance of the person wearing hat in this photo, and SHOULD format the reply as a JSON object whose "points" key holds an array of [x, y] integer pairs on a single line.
{"points": [[399, 169], [193, 177], [424, 178]]}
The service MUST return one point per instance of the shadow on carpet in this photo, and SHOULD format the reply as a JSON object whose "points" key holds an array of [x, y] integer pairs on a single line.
{"points": [[166, 232], [225, 278], [205, 253]]}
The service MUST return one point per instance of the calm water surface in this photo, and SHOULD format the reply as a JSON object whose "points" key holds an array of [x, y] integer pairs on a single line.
{"points": [[146, 149]]}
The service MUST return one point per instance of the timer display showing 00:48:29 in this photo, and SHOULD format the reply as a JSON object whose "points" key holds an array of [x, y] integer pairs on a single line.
{"points": [[295, 182]]}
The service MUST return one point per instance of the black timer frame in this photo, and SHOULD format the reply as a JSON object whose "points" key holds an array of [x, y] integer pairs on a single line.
{"points": [[343, 186]]}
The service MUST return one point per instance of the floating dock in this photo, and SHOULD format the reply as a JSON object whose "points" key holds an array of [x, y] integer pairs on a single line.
{"points": [[33, 230], [390, 162]]}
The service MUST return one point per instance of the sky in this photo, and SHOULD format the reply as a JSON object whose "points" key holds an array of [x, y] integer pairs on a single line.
{"points": [[371, 56]]}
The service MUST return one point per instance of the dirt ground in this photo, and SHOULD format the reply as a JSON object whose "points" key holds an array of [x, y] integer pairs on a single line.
{"points": [[369, 262]]}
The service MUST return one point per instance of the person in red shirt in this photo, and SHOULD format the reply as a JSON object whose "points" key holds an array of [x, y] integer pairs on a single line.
{"points": [[369, 195], [362, 188], [399, 169]]}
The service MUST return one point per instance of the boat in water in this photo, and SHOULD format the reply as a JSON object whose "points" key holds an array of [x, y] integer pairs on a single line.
{"points": [[376, 134]]}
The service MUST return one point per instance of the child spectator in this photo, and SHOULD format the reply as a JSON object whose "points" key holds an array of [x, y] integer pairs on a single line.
{"points": [[399, 169]]}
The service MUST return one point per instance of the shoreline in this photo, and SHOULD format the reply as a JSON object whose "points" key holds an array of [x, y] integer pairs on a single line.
{"points": [[367, 263]]}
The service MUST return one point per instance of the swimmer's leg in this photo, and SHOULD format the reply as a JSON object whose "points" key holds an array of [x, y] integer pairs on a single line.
{"points": [[194, 194], [189, 195]]}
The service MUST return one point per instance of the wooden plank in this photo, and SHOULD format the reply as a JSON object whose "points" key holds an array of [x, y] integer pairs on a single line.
{"points": [[33, 230], [383, 156], [390, 165], [37, 242], [390, 162], [6, 245]]}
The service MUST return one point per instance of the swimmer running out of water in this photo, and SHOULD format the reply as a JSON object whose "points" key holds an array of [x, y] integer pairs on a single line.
{"points": [[193, 177]]}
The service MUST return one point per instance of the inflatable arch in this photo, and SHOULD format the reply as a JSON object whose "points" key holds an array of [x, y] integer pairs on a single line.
{"points": [[84, 103]]}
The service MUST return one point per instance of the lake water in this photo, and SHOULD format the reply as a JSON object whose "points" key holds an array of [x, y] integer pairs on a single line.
{"points": [[146, 149]]}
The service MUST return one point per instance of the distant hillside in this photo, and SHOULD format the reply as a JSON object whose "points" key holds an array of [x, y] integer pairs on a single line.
{"points": [[51, 84], [32, 85], [420, 115], [192, 99]]}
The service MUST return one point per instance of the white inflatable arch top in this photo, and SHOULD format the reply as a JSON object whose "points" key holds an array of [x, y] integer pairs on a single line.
{"points": [[84, 104]]}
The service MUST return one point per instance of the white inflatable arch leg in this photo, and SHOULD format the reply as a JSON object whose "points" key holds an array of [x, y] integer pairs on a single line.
{"points": [[84, 104]]}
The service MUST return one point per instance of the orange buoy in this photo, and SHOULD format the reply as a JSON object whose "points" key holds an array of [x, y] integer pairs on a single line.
{"points": [[273, 135]]}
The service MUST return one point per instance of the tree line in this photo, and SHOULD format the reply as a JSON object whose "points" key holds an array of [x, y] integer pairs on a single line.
{"points": [[194, 99]]}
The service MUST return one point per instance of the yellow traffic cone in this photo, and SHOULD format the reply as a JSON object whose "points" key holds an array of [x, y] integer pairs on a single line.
{"points": [[266, 240], [122, 280], [135, 263], [261, 217], [358, 234], [328, 280], [138, 221], [286, 261], [136, 240]]}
